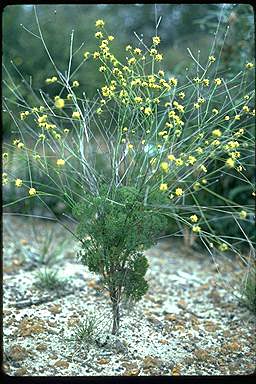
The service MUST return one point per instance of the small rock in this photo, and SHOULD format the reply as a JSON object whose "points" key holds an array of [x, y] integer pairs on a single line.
{"points": [[132, 372], [202, 355], [53, 357], [129, 365], [164, 341], [41, 347], [151, 362], [72, 321], [154, 320], [120, 347], [28, 327], [176, 371], [170, 317], [182, 304], [103, 361], [18, 353], [23, 241], [55, 309], [21, 371], [62, 364]]}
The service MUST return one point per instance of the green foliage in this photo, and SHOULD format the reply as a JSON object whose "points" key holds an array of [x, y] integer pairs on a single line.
{"points": [[85, 331], [114, 227], [49, 279], [250, 291]]}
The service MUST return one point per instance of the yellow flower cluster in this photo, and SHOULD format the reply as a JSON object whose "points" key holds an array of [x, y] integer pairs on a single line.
{"points": [[99, 23], [18, 183], [60, 162], [51, 80], [59, 103]]}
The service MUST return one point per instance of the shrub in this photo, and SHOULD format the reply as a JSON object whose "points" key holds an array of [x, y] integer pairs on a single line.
{"points": [[141, 150]]}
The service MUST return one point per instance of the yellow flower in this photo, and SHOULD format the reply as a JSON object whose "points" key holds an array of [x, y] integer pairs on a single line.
{"points": [[23, 115], [59, 103], [234, 155], [243, 214], [137, 51], [66, 130], [218, 81], [147, 111], [164, 166], [171, 157], [196, 105], [128, 48], [191, 160], [161, 73], [60, 162], [51, 80], [163, 187], [215, 111], [57, 136], [179, 162], [138, 99], [249, 65], [237, 117], [203, 168], [199, 150], [181, 95], [153, 52], [96, 55], [197, 80], [130, 146], [42, 119], [98, 35], [5, 180], [179, 192], [75, 84], [41, 136], [20, 145], [18, 183], [110, 38], [239, 132], [230, 163], [216, 133], [194, 218], [196, 229], [197, 186], [173, 81], [211, 59], [32, 192], [132, 61], [86, 55], [206, 82], [99, 23], [223, 247], [5, 155], [156, 40], [159, 57], [76, 115], [246, 108], [69, 96]]}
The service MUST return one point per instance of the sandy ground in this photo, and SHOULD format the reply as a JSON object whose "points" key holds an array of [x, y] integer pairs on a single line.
{"points": [[189, 322]]}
